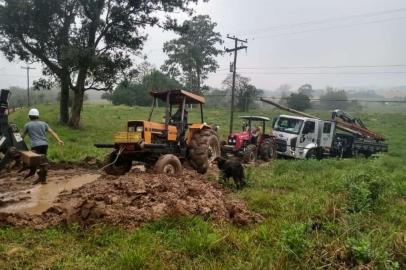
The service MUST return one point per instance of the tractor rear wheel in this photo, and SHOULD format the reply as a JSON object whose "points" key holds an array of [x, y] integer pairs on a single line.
{"points": [[121, 166], [168, 164], [250, 154], [267, 150], [204, 147]]}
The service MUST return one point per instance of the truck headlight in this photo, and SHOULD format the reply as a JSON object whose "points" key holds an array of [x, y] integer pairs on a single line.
{"points": [[140, 129]]}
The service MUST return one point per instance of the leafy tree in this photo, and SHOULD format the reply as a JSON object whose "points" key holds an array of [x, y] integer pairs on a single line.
{"points": [[334, 99], [137, 92], [298, 101], [306, 89], [245, 92], [82, 44], [158, 81], [126, 93], [192, 56]]}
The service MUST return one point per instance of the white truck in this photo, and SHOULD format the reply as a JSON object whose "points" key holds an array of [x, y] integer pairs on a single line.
{"points": [[306, 136]]}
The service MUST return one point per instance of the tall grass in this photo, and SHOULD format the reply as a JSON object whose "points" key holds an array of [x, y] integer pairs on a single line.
{"points": [[332, 214]]}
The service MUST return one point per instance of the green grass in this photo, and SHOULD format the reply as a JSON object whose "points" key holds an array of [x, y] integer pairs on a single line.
{"points": [[318, 214]]}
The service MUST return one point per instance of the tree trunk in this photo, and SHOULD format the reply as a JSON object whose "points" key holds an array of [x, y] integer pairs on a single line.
{"points": [[64, 102], [76, 108]]}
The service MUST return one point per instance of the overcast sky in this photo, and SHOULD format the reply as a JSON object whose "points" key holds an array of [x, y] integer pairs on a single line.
{"points": [[288, 38]]}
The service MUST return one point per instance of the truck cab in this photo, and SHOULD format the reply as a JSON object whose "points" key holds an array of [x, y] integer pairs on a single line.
{"points": [[303, 137]]}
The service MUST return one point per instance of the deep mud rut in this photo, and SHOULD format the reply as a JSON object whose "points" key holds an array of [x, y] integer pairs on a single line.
{"points": [[86, 196]]}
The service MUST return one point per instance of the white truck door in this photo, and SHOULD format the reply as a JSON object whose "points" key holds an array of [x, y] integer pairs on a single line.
{"points": [[308, 135], [327, 134]]}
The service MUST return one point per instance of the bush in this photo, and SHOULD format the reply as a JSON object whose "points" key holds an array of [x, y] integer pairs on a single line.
{"points": [[363, 192], [361, 252], [294, 240]]}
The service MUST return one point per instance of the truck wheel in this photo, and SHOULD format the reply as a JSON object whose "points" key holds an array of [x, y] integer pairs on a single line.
{"points": [[250, 154], [312, 154], [120, 167], [199, 151], [168, 164], [267, 150]]}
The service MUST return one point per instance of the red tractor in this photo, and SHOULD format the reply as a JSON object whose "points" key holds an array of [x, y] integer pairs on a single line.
{"points": [[252, 142]]}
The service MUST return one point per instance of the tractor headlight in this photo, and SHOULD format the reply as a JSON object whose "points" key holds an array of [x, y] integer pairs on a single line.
{"points": [[140, 129]]}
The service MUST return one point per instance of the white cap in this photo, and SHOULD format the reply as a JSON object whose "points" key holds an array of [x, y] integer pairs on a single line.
{"points": [[33, 112]]}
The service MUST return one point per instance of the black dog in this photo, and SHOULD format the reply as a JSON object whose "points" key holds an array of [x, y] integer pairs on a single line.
{"points": [[231, 168]]}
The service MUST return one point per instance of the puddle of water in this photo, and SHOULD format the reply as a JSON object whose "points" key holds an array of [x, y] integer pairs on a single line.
{"points": [[43, 196]]}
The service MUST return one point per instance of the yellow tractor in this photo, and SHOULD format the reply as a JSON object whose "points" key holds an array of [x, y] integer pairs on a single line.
{"points": [[165, 146]]}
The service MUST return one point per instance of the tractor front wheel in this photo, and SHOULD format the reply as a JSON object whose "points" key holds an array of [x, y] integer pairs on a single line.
{"points": [[169, 165], [267, 150], [250, 154], [116, 166]]}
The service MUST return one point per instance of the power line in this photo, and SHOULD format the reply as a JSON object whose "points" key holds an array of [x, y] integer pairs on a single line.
{"points": [[335, 19], [15, 75], [317, 99], [325, 67], [327, 28], [319, 73]]}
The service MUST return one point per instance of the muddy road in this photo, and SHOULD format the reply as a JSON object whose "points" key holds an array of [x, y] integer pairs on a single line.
{"points": [[87, 196]]}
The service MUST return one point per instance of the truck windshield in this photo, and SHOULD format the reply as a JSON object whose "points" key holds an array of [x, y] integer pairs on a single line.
{"points": [[289, 125]]}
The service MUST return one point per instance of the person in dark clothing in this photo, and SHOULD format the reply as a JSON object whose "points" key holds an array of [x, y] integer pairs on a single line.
{"points": [[177, 116], [176, 119], [37, 132]]}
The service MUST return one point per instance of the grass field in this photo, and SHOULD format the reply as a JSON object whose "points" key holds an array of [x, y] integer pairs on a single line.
{"points": [[327, 214]]}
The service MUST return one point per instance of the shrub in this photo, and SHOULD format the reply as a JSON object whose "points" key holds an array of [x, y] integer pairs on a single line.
{"points": [[361, 252], [294, 239], [363, 192]]}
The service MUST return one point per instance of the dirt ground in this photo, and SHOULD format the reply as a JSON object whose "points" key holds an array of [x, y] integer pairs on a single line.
{"points": [[86, 196]]}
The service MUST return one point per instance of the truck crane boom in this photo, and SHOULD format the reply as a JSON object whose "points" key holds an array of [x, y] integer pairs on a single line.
{"points": [[345, 126]]}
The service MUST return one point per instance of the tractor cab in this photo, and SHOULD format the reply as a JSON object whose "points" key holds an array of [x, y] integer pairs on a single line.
{"points": [[253, 127], [249, 143], [167, 144], [176, 114]]}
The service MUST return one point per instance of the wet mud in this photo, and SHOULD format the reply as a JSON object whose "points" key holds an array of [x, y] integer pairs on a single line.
{"points": [[86, 196]]}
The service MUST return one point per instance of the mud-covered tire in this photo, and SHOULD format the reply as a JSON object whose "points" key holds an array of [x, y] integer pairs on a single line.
{"points": [[120, 167], [199, 149], [250, 154], [267, 150], [168, 164]]}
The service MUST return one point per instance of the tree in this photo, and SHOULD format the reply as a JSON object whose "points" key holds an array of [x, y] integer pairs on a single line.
{"points": [[334, 99], [137, 92], [298, 101], [245, 92], [82, 44], [192, 56], [306, 89]]}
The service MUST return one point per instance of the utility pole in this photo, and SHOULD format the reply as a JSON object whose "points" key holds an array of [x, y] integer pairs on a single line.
{"points": [[235, 50], [28, 83]]}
